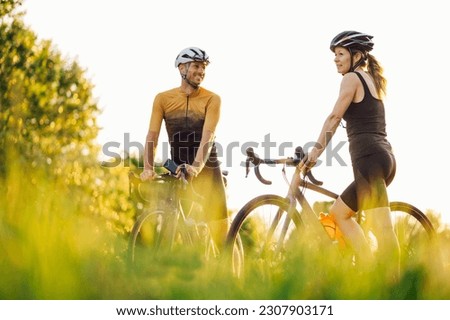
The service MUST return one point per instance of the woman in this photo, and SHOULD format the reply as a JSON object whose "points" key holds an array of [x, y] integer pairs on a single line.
{"points": [[360, 105]]}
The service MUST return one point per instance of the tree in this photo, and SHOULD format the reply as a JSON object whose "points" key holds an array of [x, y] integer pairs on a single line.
{"points": [[48, 121], [7, 6], [47, 109]]}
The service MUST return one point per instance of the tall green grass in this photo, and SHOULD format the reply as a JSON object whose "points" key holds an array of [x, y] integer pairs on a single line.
{"points": [[51, 248]]}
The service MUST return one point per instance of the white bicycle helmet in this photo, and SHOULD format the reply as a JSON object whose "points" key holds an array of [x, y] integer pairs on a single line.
{"points": [[191, 54]]}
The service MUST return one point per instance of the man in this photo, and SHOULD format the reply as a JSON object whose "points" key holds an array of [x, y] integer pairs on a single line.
{"points": [[191, 114]]}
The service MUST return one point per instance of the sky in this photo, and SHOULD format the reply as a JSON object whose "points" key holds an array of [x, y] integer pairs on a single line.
{"points": [[272, 67]]}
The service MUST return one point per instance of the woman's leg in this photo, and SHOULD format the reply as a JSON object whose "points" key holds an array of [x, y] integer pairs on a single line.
{"points": [[388, 253], [378, 214], [351, 230]]}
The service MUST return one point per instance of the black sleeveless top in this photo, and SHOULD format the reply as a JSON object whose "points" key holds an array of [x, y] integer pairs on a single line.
{"points": [[366, 126]]}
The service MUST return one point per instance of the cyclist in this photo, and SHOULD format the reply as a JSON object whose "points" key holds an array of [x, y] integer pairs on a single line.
{"points": [[191, 114], [360, 104]]}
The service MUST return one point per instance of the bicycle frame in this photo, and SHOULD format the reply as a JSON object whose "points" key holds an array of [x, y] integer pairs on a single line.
{"points": [[174, 218], [308, 213]]}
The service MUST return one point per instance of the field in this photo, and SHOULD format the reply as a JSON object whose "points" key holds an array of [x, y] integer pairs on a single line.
{"points": [[52, 249]]}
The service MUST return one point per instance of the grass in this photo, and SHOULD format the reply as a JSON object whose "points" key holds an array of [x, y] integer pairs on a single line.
{"points": [[51, 249]]}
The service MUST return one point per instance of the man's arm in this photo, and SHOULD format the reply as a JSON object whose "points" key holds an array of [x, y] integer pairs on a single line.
{"points": [[208, 135], [203, 151], [151, 143], [151, 140]]}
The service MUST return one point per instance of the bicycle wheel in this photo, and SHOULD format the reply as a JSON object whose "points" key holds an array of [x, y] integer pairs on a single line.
{"points": [[161, 231], [413, 229], [265, 225], [237, 257], [149, 231]]}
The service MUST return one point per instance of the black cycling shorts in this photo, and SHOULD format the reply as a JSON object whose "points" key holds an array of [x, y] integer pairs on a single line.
{"points": [[372, 174]]}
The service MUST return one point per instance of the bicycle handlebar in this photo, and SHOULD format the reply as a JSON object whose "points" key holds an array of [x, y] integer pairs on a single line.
{"points": [[135, 181], [165, 178], [256, 160]]}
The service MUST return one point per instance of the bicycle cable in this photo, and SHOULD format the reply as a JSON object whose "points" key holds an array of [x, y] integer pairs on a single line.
{"points": [[187, 182]]}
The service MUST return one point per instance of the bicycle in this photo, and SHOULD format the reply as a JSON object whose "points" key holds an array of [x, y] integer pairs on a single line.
{"points": [[284, 222], [166, 220]]}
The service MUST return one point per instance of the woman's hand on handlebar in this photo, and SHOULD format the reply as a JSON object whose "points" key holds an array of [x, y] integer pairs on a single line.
{"points": [[309, 161], [305, 165]]}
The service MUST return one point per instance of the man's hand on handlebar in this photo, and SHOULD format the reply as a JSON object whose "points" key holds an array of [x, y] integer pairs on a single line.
{"points": [[148, 174], [189, 170], [186, 172]]}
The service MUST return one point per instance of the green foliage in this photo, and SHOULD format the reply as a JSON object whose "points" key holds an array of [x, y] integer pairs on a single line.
{"points": [[50, 249], [322, 206], [8, 6], [47, 110], [48, 123]]}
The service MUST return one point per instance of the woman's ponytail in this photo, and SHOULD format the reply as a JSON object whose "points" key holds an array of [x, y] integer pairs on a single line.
{"points": [[376, 71]]}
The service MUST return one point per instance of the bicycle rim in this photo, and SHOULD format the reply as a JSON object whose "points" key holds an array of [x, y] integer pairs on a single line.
{"points": [[413, 229], [265, 227], [146, 234], [415, 217], [414, 232]]}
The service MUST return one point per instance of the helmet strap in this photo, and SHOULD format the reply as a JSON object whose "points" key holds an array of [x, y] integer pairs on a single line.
{"points": [[357, 64], [184, 77]]}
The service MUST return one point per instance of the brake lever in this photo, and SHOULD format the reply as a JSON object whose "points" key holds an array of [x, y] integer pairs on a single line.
{"points": [[247, 167], [300, 154], [253, 158]]}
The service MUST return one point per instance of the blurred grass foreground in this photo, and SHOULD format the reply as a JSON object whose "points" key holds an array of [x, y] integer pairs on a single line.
{"points": [[51, 247]]}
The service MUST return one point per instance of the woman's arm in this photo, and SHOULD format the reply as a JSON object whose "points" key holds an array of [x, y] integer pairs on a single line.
{"points": [[347, 93]]}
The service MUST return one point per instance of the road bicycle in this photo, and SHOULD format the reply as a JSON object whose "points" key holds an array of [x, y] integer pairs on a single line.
{"points": [[168, 220], [283, 222]]}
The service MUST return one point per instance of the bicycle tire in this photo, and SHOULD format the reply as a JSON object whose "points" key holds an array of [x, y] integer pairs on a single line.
{"points": [[416, 213], [237, 257], [413, 229], [414, 232], [136, 232], [169, 235], [276, 209]]}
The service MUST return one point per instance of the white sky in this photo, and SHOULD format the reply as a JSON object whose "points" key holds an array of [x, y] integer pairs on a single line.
{"points": [[273, 69]]}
